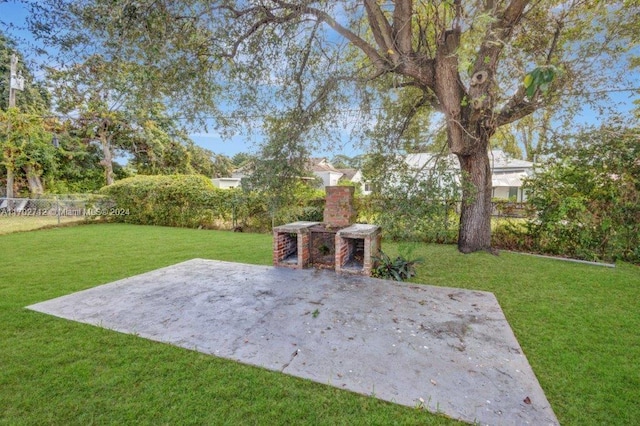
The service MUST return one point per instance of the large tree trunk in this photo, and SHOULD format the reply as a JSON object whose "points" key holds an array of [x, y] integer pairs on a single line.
{"points": [[107, 160], [35, 183], [475, 215], [10, 182]]}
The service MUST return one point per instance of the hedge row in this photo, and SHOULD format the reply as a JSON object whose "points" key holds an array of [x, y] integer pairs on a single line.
{"points": [[176, 200], [192, 201]]}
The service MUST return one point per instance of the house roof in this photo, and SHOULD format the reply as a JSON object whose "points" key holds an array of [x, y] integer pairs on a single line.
{"points": [[348, 173], [499, 161], [508, 179], [321, 165]]}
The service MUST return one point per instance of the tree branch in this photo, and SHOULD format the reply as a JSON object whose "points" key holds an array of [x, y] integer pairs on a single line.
{"points": [[402, 25], [382, 31], [269, 19], [516, 108], [378, 61], [497, 35], [554, 42], [305, 60]]}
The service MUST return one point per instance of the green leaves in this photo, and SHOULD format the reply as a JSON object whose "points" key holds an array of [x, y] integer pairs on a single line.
{"points": [[398, 269], [539, 79], [587, 198]]}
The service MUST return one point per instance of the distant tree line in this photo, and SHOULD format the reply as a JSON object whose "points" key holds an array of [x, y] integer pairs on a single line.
{"points": [[100, 130]]}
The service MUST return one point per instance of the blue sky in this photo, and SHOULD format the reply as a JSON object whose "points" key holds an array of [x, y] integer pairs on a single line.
{"points": [[13, 12]]}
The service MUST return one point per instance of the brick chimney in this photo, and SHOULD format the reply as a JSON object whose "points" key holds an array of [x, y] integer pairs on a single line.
{"points": [[338, 208]]}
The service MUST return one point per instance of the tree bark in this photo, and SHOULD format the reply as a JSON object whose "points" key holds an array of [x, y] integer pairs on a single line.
{"points": [[107, 160], [35, 183], [10, 182], [475, 215]]}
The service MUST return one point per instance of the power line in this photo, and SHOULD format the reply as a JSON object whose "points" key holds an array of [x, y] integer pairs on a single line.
{"points": [[352, 111]]}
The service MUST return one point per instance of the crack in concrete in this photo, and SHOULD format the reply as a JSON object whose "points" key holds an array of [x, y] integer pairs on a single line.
{"points": [[293, 355]]}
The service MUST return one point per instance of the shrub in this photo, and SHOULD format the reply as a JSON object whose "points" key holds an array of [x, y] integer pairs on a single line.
{"points": [[398, 269], [192, 201], [512, 235], [587, 198], [412, 205], [172, 200]]}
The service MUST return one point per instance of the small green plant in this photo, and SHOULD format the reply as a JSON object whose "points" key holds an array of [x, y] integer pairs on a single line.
{"points": [[398, 269]]}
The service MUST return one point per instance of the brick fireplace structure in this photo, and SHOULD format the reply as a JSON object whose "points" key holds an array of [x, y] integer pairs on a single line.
{"points": [[336, 243]]}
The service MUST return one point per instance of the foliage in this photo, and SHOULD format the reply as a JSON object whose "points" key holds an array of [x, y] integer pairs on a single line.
{"points": [[512, 234], [171, 200], [24, 156], [192, 201], [280, 175], [342, 161], [259, 209], [242, 159], [412, 204], [77, 166], [97, 90], [25, 147], [398, 269], [587, 198], [539, 80], [160, 147], [482, 64]]}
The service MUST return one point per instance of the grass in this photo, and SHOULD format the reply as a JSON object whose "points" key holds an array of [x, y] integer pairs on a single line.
{"points": [[59, 372], [11, 224], [578, 325]]}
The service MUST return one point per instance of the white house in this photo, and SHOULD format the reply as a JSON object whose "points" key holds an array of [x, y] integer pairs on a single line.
{"points": [[323, 169], [507, 172], [320, 167], [226, 183], [355, 176], [507, 176], [231, 182]]}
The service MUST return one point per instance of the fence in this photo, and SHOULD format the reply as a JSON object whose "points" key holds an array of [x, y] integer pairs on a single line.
{"points": [[506, 208], [54, 207]]}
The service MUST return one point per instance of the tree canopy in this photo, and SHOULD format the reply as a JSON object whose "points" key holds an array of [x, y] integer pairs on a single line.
{"points": [[304, 67]]}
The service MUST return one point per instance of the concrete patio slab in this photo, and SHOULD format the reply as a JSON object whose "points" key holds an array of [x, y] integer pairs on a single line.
{"points": [[449, 350]]}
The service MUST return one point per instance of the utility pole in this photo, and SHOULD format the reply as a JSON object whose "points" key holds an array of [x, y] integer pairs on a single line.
{"points": [[16, 82]]}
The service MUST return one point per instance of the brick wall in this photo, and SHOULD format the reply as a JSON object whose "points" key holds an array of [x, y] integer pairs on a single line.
{"points": [[338, 208], [342, 251], [291, 247], [284, 245], [303, 251]]}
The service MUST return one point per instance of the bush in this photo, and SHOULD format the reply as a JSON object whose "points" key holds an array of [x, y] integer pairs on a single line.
{"points": [[398, 269], [587, 198], [174, 200], [411, 218], [512, 235], [192, 201]]}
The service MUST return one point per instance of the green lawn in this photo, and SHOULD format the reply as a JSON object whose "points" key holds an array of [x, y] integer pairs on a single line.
{"points": [[579, 326], [10, 224]]}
